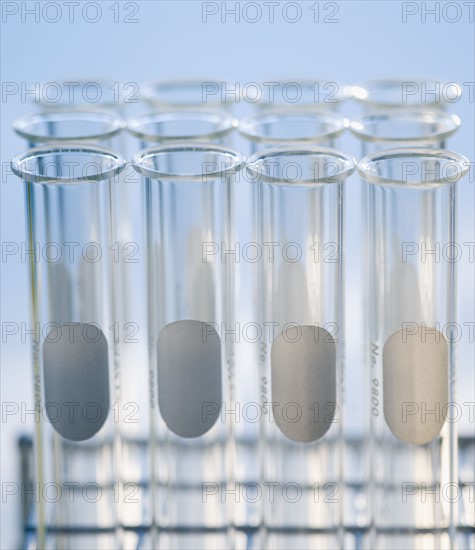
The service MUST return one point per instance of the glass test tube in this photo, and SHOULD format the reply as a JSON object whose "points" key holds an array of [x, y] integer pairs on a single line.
{"points": [[69, 216], [102, 94], [292, 127], [172, 94], [377, 131], [301, 219], [89, 94], [413, 443], [191, 125], [183, 125], [85, 93], [404, 127], [388, 93], [191, 369], [90, 111], [303, 94], [94, 127], [131, 414]]}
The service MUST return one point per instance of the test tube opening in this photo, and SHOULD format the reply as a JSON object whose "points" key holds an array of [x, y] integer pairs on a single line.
{"points": [[188, 161], [300, 166], [61, 126], [406, 91], [279, 127], [84, 93], [298, 93], [413, 167], [182, 125], [179, 93], [405, 126], [71, 163]]}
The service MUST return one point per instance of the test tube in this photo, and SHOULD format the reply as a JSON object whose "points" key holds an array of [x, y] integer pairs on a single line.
{"points": [[91, 94], [377, 131], [413, 442], [70, 218], [387, 93], [191, 365], [183, 125], [127, 250], [301, 220], [401, 127], [191, 125], [269, 128], [292, 127], [85, 94], [298, 93], [172, 94], [94, 127]]}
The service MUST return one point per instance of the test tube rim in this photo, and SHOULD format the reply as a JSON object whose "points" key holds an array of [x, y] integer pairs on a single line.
{"points": [[349, 165], [343, 89], [149, 92], [227, 123], [69, 147], [103, 82], [117, 124], [361, 92], [357, 125], [364, 170], [340, 125], [177, 147]]}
